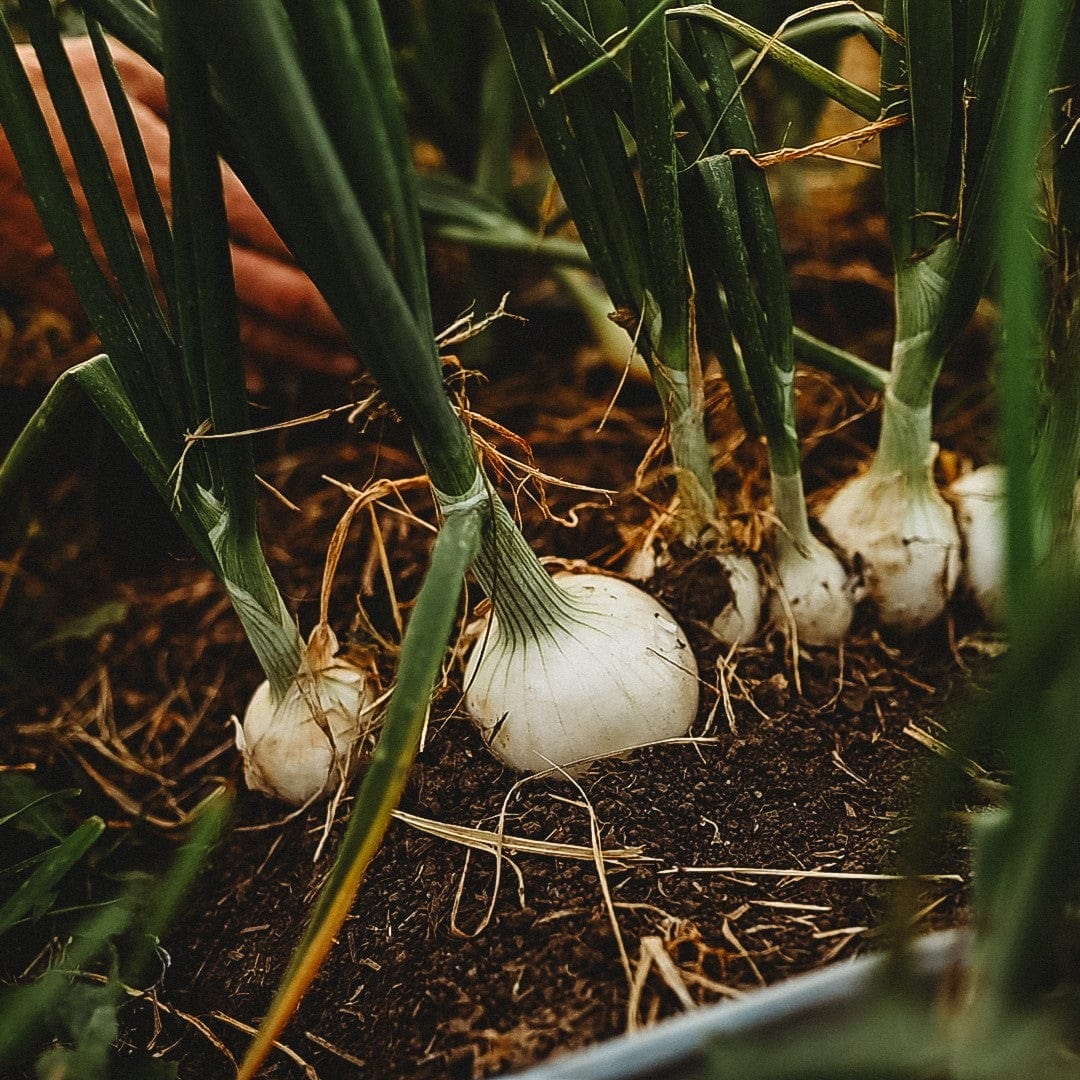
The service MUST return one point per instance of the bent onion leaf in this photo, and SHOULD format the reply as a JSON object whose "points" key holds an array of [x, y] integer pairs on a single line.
{"points": [[422, 653]]}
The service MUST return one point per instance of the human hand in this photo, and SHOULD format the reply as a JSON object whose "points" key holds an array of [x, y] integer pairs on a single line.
{"points": [[283, 318]]}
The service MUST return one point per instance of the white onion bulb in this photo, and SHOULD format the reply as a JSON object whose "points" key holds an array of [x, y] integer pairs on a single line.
{"points": [[980, 511], [610, 671], [741, 616], [898, 529], [299, 748], [817, 593], [892, 523]]}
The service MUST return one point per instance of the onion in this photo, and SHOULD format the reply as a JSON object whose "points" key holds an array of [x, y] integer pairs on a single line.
{"points": [[299, 748], [740, 618], [902, 533], [893, 524], [608, 670], [817, 592], [980, 511]]}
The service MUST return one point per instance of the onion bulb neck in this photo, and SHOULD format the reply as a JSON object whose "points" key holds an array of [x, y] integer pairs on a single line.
{"points": [[525, 598]]}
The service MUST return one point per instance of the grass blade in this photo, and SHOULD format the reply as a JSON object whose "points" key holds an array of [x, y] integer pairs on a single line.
{"points": [[654, 133], [422, 653], [760, 236], [30, 140], [897, 143], [28, 1008], [928, 36], [209, 322], [724, 232], [996, 79], [645, 18], [607, 83], [209, 821], [84, 1014], [713, 323], [816, 28], [815, 353], [133, 23], [249, 47], [52, 869], [370, 32], [458, 212], [619, 255], [501, 113], [31, 800], [347, 64], [1024, 300], [676, 367], [96, 380]]}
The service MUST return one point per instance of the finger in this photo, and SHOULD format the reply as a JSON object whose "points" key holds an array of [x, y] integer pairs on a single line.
{"points": [[282, 292], [247, 222], [142, 81], [270, 343]]}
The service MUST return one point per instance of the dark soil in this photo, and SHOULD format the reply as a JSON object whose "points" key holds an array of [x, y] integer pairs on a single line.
{"points": [[421, 984], [452, 966]]}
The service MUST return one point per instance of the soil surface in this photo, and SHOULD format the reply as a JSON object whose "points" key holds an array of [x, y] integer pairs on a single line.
{"points": [[455, 963]]}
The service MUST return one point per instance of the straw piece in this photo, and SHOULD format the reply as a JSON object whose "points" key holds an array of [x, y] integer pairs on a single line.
{"points": [[492, 842]]}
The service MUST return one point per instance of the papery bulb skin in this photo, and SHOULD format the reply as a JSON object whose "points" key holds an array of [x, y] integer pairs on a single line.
{"points": [[900, 532], [285, 745], [740, 618], [817, 593], [979, 497], [611, 671]]}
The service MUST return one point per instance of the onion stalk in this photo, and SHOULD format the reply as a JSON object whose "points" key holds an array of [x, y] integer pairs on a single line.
{"points": [[634, 236], [172, 367], [891, 520], [738, 245]]}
